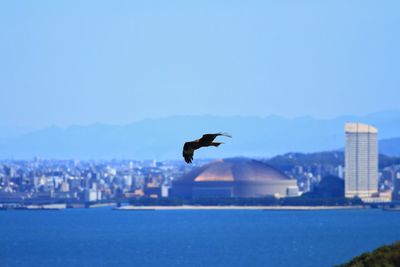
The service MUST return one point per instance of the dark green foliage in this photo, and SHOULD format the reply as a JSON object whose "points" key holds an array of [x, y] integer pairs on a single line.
{"points": [[386, 256]]}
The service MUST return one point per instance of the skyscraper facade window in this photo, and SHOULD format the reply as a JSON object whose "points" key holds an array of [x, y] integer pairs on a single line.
{"points": [[361, 159]]}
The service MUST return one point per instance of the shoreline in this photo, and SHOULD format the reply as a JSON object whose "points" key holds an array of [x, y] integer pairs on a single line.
{"points": [[265, 208]]}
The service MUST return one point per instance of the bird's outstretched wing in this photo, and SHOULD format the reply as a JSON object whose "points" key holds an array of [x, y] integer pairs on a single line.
{"points": [[210, 137], [205, 140], [188, 151]]}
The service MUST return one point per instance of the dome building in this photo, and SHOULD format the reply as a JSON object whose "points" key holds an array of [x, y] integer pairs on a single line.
{"points": [[234, 177]]}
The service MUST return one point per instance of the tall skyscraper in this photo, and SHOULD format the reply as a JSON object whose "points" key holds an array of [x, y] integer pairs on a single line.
{"points": [[361, 159]]}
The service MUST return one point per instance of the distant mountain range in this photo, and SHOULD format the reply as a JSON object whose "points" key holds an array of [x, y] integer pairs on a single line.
{"points": [[163, 138]]}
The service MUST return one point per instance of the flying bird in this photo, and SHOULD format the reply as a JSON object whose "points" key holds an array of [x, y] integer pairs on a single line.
{"points": [[205, 140]]}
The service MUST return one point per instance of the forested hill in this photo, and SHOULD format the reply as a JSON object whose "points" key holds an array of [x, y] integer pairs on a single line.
{"points": [[288, 161], [386, 256]]}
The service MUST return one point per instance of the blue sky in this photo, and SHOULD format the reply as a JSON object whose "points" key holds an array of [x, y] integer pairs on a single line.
{"points": [[80, 62]]}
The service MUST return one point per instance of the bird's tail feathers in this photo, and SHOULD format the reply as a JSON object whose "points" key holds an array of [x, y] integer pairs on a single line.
{"points": [[225, 134]]}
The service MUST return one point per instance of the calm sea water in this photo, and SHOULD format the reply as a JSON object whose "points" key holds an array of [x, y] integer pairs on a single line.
{"points": [[103, 237]]}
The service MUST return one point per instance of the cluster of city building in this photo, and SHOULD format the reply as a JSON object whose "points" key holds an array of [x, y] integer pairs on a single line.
{"points": [[85, 181], [101, 181]]}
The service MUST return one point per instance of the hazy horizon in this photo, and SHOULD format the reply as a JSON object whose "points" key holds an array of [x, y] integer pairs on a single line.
{"points": [[83, 124], [163, 138]]}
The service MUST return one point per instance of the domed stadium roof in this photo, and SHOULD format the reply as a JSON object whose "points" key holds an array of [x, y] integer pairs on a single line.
{"points": [[234, 177], [235, 170]]}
